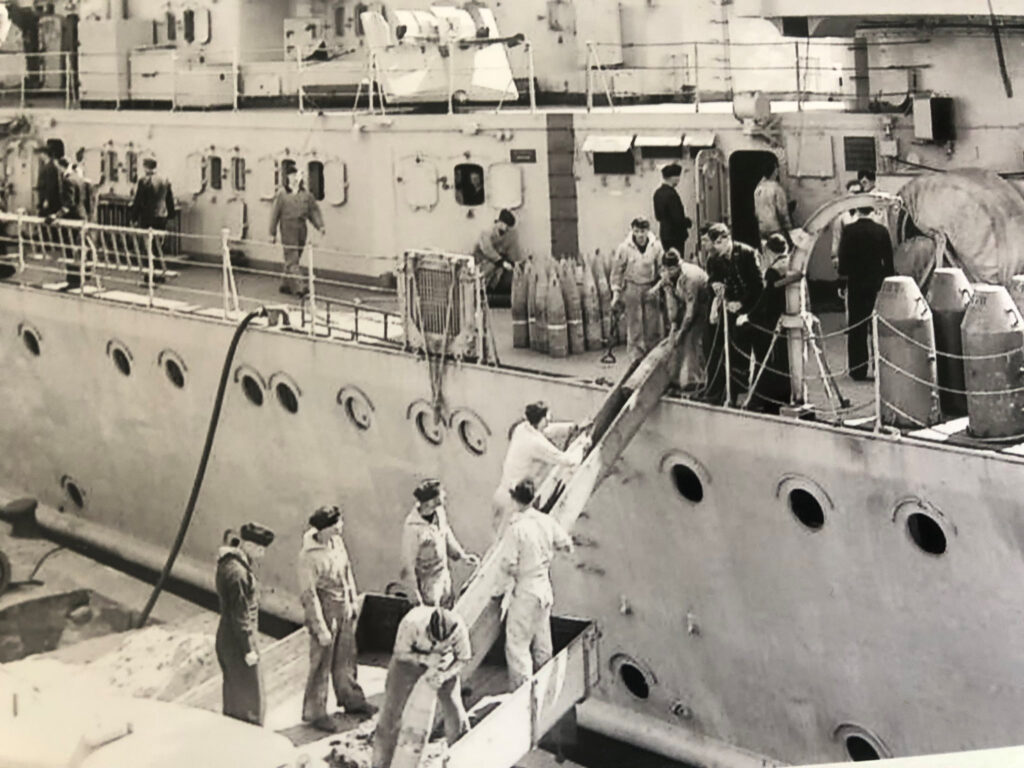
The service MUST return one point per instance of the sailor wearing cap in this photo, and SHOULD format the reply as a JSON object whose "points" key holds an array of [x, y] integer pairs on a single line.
{"points": [[673, 224], [433, 642], [634, 272], [427, 543], [238, 594], [328, 591], [496, 251], [531, 453], [293, 207], [687, 297], [534, 537], [153, 203]]}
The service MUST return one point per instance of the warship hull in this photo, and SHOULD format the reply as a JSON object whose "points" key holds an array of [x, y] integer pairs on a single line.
{"points": [[745, 626]]}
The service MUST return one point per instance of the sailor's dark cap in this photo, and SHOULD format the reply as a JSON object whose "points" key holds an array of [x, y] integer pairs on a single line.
{"points": [[523, 491], [427, 490], [257, 534], [325, 517]]}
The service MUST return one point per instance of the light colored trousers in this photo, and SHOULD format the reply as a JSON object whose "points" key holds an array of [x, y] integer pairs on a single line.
{"points": [[527, 637]]}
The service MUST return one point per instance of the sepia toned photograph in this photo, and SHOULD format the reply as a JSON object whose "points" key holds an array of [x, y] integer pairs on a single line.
{"points": [[511, 383]]}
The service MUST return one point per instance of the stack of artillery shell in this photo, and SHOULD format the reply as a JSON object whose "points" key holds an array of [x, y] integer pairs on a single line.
{"points": [[562, 307], [520, 300]]}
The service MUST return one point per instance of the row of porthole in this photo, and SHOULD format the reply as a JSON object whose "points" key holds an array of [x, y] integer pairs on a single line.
{"points": [[807, 502], [469, 426], [119, 354], [860, 743], [358, 407]]}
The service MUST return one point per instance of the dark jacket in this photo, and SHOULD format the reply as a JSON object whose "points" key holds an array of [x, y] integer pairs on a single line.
{"points": [[865, 255], [76, 196], [740, 274], [239, 599], [672, 220], [154, 201], [51, 189]]}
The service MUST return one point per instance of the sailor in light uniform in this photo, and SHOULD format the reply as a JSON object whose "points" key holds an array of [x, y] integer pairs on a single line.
{"points": [[634, 272], [329, 597], [432, 642], [238, 595], [534, 537], [531, 453], [427, 543], [293, 207]]}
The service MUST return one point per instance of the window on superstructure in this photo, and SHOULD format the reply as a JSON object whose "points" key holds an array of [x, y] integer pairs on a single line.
{"points": [[859, 153], [111, 170], [215, 171], [469, 184], [189, 22], [172, 27], [238, 173], [283, 167], [614, 163], [132, 160], [339, 19], [360, 9], [315, 179]]}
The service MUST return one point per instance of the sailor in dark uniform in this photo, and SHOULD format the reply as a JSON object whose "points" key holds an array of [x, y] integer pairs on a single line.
{"points": [[238, 594], [674, 226]]}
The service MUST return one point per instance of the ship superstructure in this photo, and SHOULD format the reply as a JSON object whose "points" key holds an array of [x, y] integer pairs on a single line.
{"points": [[732, 628]]}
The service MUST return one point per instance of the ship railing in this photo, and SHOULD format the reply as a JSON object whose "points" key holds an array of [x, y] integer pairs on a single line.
{"points": [[801, 70], [130, 264]]}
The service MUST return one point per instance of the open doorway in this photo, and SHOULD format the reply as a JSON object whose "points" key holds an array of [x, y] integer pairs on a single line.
{"points": [[746, 169]]}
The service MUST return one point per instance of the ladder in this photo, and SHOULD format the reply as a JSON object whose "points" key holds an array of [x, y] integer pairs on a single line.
{"points": [[565, 491]]}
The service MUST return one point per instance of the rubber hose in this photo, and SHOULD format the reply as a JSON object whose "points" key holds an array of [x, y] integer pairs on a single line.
{"points": [[197, 484]]}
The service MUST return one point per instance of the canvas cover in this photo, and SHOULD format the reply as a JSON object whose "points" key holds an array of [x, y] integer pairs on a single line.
{"points": [[981, 215]]}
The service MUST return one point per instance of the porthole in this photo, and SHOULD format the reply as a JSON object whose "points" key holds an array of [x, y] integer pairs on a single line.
{"points": [[926, 533], [74, 491], [31, 340], [430, 427], [121, 361], [688, 476], [805, 500], [633, 676], [252, 389], [926, 526], [174, 373], [471, 430], [687, 483], [860, 744], [357, 406], [806, 508], [287, 398], [860, 749]]}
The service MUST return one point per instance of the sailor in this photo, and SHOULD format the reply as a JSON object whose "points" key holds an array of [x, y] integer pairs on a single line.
{"points": [[865, 259], [73, 207], [531, 453], [329, 598], [770, 204], [50, 183], [293, 207], [842, 221], [634, 272], [496, 251], [238, 595], [736, 282], [153, 203], [687, 297], [761, 327], [427, 543], [673, 224], [430, 641], [534, 537]]}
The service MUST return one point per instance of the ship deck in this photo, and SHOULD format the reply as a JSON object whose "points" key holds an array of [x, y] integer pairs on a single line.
{"points": [[194, 286]]}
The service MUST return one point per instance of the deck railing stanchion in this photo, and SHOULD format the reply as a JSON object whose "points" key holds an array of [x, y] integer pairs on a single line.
{"points": [[149, 271], [21, 240], [312, 293]]}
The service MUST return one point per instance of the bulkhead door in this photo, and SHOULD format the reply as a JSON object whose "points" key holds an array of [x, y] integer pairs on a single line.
{"points": [[21, 168], [712, 191]]}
